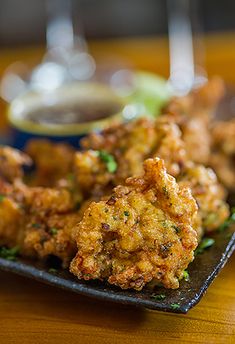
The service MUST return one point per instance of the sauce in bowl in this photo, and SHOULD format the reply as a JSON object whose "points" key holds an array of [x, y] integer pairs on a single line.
{"points": [[66, 114]]}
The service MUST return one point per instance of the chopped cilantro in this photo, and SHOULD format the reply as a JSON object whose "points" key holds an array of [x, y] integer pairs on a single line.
{"points": [[175, 306], [36, 225], [204, 244], [126, 213], [176, 228], [186, 275], [2, 197], [9, 253], [53, 231], [109, 161], [158, 297], [165, 191], [52, 271], [70, 177], [227, 223]]}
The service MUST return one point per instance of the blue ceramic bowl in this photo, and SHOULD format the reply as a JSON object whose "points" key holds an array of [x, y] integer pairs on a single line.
{"points": [[39, 115]]}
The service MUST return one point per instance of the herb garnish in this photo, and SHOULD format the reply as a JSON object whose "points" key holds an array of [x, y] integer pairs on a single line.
{"points": [[9, 253], [176, 228], [53, 231], [175, 306], [204, 244], [109, 161], [126, 213], [186, 275], [227, 223], [158, 297], [36, 225], [52, 271], [2, 197]]}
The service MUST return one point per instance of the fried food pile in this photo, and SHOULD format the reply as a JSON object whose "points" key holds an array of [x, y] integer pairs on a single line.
{"points": [[129, 207], [142, 232]]}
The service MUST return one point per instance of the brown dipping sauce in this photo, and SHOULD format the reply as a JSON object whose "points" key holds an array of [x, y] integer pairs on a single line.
{"points": [[74, 113]]}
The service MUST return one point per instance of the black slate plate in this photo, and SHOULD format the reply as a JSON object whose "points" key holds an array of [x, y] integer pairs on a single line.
{"points": [[202, 272]]}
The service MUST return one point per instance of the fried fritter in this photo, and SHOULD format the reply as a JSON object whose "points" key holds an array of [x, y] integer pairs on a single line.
{"points": [[51, 235], [91, 174], [12, 162], [193, 114], [200, 102], [142, 232], [130, 144], [222, 158], [11, 217], [209, 194], [169, 146], [53, 161]]}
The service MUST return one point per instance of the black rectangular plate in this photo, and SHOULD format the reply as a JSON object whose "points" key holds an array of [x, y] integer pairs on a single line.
{"points": [[202, 272]]}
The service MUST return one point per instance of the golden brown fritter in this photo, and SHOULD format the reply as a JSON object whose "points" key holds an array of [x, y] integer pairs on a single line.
{"points": [[38, 220], [222, 158], [11, 163], [142, 232], [129, 144], [200, 102], [53, 161], [91, 174], [169, 146], [209, 194], [193, 114], [51, 235], [11, 217]]}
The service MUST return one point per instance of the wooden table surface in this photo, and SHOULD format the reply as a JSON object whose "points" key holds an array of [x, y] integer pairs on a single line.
{"points": [[31, 312]]}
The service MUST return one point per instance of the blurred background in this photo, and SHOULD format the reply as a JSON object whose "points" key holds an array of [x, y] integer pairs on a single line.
{"points": [[120, 34], [24, 21]]}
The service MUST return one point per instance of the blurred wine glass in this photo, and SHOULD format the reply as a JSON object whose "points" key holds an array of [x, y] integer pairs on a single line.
{"points": [[66, 59], [186, 63]]}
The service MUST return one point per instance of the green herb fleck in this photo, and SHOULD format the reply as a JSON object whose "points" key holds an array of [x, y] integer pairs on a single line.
{"points": [[175, 306], [158, 297], [9, 253], [115, 217], [106, 210], [176, 228], [70, 177], [126, 213], [2, 197], [186, 275], [53, 231], [227, 223], [109, 161], [52, 271], [204, 244], [211, 218], [165, 191], [36, 225]]}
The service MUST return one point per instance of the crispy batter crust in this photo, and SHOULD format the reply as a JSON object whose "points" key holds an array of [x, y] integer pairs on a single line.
{"points": [[142, 232]]}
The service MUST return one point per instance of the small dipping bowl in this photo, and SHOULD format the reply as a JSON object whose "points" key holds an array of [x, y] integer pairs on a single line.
{"points": [[64, 115]]}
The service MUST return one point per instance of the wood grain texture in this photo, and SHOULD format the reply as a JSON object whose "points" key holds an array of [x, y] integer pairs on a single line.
{"points": [[31, 312]]}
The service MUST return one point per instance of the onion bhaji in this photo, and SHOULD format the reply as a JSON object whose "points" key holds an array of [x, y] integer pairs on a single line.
{"points": [[12, 162], [130, 144], [142, 232], [53, 161], [209, 194], [193, 114], [222, 159]]}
